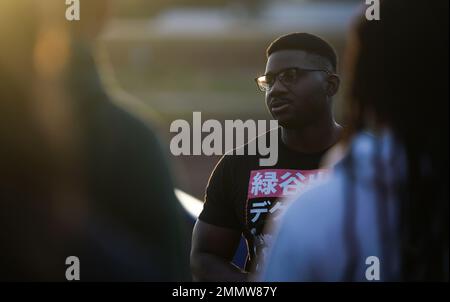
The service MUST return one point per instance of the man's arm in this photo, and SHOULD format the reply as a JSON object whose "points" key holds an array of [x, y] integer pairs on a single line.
{"points": [[212, 250]]}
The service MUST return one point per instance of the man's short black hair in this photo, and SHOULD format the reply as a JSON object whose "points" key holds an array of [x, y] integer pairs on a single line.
{"points": [[306, 42]]}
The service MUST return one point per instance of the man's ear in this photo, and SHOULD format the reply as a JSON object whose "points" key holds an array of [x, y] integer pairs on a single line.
{"points": [[333, 81]]}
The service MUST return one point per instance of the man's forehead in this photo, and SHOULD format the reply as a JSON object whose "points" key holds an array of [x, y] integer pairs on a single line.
{"points": [[283, 59]]}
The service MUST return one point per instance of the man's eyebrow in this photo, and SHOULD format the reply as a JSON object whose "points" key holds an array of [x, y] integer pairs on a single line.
{"points": [[270, 73]]}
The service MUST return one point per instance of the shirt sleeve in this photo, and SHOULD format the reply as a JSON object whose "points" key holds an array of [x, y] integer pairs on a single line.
{"points": [[219, 208]]}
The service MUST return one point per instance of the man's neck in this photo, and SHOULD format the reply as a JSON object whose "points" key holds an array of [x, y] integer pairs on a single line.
{"points": [[312, 138]]}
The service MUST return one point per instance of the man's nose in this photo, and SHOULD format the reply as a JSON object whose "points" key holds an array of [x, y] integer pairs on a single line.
{"points": [[278, 88]]}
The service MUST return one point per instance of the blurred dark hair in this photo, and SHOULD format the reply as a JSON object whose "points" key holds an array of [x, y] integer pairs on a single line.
{"points": [[400, 80], [306, 42]]}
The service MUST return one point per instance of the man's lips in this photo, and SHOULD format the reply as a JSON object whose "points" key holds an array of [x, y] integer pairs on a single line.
{"points": [[279, 103]]}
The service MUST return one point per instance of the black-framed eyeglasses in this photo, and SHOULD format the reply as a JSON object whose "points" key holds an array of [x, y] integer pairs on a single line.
{"points": [[287, 77]]}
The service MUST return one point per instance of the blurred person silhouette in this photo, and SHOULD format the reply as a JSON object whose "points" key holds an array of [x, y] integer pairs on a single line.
{"points": [[84, 177], [25, 161], [389, 194]]}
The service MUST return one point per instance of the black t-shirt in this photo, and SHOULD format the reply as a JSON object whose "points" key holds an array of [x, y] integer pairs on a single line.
{"points": [[241, 194]]}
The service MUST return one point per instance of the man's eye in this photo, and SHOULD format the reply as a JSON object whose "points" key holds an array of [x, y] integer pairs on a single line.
{"points": [[289, 75], [270, 79]]}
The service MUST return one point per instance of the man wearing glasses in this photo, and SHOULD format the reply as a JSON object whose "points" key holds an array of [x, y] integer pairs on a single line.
{"points": [[299, 84]]}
